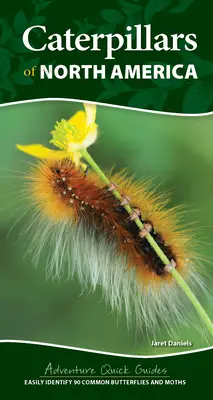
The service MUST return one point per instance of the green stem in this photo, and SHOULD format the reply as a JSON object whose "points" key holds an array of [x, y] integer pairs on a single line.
{"points": [[180, 281], [193, 299]]}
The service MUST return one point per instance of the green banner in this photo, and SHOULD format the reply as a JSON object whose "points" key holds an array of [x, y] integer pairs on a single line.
{"points": [[150, 54], [52, 371]]}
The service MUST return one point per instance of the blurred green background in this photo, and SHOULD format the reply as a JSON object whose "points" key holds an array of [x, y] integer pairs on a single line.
{"points": [[176, 151]]}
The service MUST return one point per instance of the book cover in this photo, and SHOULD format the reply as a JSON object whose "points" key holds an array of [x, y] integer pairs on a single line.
{"points": [[106, 198]]}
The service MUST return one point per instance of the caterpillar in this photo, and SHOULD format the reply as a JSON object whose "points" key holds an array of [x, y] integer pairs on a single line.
{"points": [[90, 234], [111, 232]]}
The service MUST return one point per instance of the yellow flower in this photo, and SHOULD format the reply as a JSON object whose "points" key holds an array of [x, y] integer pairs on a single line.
{"points": [[71, 136]]}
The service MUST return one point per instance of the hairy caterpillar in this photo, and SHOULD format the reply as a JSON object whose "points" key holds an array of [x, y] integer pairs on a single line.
{"points": [[110, 232], [72, 207]]}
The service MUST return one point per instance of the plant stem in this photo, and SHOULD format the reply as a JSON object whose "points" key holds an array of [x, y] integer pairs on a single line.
{"points": [[193, 299], [178, 278]]}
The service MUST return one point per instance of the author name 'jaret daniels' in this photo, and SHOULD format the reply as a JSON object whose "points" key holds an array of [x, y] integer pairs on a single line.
{"points": [[171, 343]]}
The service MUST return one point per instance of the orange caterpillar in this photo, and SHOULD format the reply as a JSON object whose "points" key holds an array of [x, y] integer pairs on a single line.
{"points": [[90, 232], [62, 191]]}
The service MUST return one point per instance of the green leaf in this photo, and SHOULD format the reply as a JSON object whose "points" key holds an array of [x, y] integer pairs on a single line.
{"points": [[6, 52], [121, 86], [78, 23], [38, 20], [130, 9], [198, 97], [6, 85], [106, 95], [117, 87], [20, 22], [182, 6], [6, 32], [134, 19], [113, 16], [160, 100], [28, 64], [203, 67], [20, 79], [107, 84], [87, 25], [84, 26], [169, 84], [41, 5], [155, 6], [106, 28], [17, 46], [12, 95], [144, 97], [4, 67]]}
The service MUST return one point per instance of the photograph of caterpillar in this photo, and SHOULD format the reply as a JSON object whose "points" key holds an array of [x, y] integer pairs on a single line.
{"points": [[114, 231]]}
